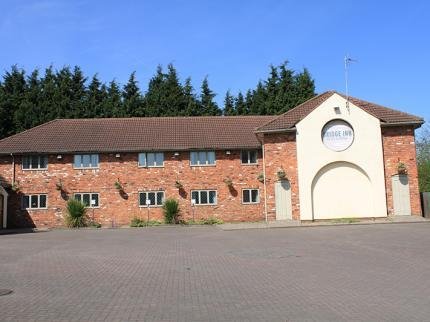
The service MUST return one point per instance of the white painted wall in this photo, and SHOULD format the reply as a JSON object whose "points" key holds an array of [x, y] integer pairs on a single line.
{"points": [[365, 154]]}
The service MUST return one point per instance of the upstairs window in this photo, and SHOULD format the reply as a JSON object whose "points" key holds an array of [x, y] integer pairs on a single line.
{"points": [[250, 196], [202, 158], [249, 156], [90, 200], [36, 201], [204, 197], [86, 161], [35, 162], [151, 159], [156, 198]]}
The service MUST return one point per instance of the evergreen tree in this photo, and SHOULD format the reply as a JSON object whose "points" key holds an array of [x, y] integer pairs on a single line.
{"points": [[95, 98], [173, 102], [229, 108], [112, 104], [153, 97], [258, 104], [131, 98], [209, 107], [77, 94], [239, 104], [190, 100], [28, 113], [12, 95]]}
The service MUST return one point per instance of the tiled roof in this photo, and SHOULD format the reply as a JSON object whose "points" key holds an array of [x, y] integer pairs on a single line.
{"points": [[386, 115], [137, 134]]}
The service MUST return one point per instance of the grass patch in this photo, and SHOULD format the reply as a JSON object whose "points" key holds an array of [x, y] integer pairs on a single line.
{"points": [[137, 222], [346, 220], [203, 221]]}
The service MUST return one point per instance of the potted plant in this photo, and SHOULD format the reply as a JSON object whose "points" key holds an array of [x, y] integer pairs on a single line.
{"points": [[260, 177], [401, 168], [281, 174], [59, 185], [118, 186], [228, 182], [15, 186]]}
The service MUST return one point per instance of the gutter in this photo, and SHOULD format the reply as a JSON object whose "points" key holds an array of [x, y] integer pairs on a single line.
{"points": [[417, 124], [293, 129]]}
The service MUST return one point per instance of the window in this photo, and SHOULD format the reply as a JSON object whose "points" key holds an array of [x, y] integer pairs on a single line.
{"points": [[90, 200], [35, 162], [249, 157], [86, 161], [250, 196], [150, 159], [155, 197], [204, 197], [34, 201], [202, 158]]}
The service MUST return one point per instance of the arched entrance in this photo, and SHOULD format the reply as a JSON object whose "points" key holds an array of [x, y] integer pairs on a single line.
{"points": [[341, 190]]}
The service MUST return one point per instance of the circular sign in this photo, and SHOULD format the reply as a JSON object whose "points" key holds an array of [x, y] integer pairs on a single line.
{"points": [[337, 135]]}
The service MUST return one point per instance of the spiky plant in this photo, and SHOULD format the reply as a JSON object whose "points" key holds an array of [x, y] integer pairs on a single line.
{"points": [[171, 210], [76, 215]]}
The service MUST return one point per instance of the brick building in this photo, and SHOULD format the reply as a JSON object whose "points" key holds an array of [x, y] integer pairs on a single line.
{"points": [[326, 158]]}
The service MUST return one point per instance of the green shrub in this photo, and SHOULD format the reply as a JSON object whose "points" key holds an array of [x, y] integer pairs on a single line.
{"points": [[211, 221], [171, 211], [203, 221], [137, 222], [76, 215]]}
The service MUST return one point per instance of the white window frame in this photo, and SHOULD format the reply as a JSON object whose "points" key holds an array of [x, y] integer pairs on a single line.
{"points": [[207, 159], [30, 156], [250, 196], [146, 160], [151, 191], [90, 194], [248, 157], [38, 201], [90, 167], [200, 198]]}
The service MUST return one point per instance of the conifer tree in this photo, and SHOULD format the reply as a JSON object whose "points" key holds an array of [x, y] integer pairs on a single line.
{"points": [[28, 113], [131, 98], [239, 104], [190, 100], [209, 107], [95, 98], [112, 104], [229, 108], [12, 94]]}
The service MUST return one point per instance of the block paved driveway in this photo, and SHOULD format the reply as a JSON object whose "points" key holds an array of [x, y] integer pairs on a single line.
{"points": [[360, 273]]}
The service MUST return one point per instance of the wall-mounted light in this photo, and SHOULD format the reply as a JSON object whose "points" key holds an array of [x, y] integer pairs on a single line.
{"points": [[176, 154], [228, 152], [117, 155], [59, 157], [337, 109]]}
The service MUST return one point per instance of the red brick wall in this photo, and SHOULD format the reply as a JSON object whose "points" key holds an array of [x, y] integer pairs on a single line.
{"points": [[280, 152], [134, 179], [399, 146]]}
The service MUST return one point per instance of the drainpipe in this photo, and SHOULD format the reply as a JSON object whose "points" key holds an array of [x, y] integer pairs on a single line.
{"points": [[264, 182], [13, 168]]}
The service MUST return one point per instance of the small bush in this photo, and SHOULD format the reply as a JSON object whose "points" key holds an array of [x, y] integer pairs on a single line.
{"points": [[171, 211], [211, 221], [76, 215], [203, 221], [137, 222]]}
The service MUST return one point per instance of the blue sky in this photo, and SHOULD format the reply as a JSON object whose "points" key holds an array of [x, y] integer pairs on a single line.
{"points": [[231, 42]]}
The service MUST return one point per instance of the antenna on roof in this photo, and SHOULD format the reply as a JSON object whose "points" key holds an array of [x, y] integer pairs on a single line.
{"points": [[347, 61]]}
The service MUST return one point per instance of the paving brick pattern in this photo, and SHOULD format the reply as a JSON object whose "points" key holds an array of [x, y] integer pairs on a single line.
{"points": [[348, 273]]}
